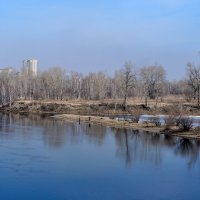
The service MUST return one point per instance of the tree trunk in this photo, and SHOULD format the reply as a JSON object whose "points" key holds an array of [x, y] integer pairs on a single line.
{"points": [[125, 102], [146, 100], [198, 96]]}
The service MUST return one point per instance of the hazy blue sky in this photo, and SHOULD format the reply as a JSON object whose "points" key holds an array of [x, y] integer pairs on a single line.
{"points": [[89, 35]]}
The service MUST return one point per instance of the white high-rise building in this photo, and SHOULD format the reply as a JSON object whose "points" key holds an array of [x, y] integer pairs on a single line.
{"points": [[30, 67], [7, 70]]}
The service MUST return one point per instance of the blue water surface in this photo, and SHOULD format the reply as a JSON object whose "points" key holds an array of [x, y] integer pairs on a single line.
{"points": [[42, 158]]}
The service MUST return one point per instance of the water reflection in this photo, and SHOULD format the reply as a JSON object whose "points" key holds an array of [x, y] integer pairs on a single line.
{"points": [[131, 146], [169, 140], [54, 134], [189, 149], [5, 123], [127, 144], [95, 134]]}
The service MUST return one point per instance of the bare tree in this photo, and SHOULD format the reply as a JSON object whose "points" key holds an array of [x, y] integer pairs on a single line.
{"points": [[53, 81], [96, 86], [193, 73], [152, 79], [7, 88], [126, 78], [74, 85]]}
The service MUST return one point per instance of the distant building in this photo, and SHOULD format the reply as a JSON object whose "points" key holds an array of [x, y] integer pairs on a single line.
{"points": [[30, 67], [6, 70]]}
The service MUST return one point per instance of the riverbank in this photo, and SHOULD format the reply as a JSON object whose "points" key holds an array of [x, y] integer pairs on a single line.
{"points": [[105, 112], [100, 108], [147, 127]]}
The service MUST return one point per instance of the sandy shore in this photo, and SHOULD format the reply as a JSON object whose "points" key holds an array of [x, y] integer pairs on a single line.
{"points": [[148, 127]]}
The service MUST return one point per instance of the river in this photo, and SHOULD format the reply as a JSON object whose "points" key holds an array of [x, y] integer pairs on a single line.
{"points": [[42, 158]]}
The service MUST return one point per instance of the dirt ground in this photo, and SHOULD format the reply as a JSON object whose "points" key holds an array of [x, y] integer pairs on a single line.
{"points": [[166, 105], [148, 127]]}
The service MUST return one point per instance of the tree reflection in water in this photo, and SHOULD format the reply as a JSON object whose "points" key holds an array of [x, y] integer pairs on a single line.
{"points": [[96, 134], [5, 123], [169, 141], [140, 146], [124, 148], [131, 146], [135, 146], [188, 149], [54, 134]]}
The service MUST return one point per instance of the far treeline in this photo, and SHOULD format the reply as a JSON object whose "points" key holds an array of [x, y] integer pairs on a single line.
{"points": [[55, 83]]}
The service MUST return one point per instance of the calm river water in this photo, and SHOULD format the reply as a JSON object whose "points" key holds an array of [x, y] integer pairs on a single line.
{"points": [[41, 158]]}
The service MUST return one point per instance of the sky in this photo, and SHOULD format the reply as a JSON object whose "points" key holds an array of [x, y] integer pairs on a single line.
{"points": [[90, 36]]}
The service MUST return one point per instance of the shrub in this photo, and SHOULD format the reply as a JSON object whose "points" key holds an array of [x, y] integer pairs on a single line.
{"points": [[135, 118], [197, 130], [185, 123], [170, 121], [156, 121], [135, 115]]}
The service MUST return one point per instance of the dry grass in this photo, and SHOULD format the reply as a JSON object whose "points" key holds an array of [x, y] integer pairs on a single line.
{"points": [[168, 105], [166, 100], [148, 127]]}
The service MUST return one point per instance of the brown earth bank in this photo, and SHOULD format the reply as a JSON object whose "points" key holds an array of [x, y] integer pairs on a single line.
{"points": [[102, 108], [148, 127]]}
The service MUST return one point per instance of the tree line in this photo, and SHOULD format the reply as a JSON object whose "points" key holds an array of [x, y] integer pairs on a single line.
{"points": [[56, 83]]}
